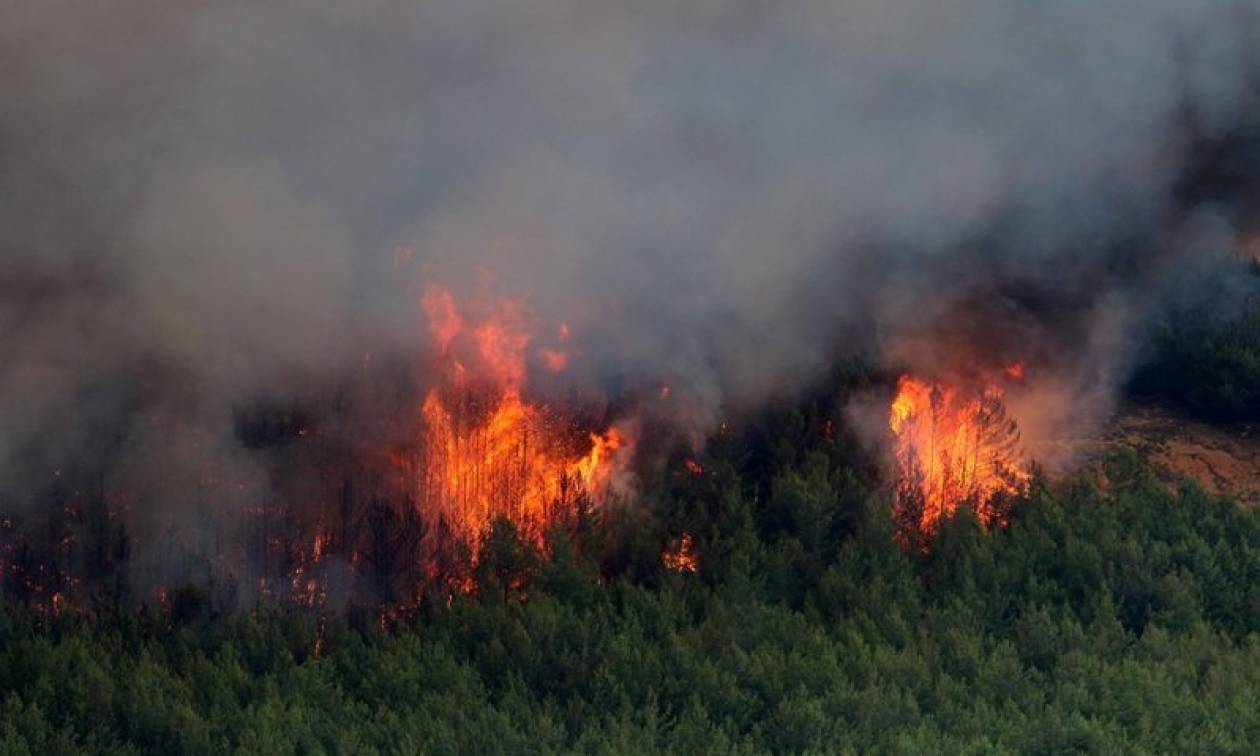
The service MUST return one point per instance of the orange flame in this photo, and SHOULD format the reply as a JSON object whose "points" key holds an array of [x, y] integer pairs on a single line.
{"points": [[953, 447], [681, 557], [487, 451]]}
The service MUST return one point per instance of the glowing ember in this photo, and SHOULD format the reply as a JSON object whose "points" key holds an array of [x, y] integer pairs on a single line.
{"points": [[681, 556], [954, 446], [486, 450]]}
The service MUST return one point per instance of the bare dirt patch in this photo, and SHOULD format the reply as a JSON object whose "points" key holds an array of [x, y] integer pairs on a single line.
{"points": [[1223, 459]]}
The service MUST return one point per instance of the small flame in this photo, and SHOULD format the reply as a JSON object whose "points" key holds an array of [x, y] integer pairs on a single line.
{"points": [[681, 556], [320, 545]]}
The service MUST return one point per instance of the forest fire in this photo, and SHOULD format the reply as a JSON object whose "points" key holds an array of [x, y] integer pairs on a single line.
{"points": [[955, 445], [486, 450], [681, 555], [339, 518]]}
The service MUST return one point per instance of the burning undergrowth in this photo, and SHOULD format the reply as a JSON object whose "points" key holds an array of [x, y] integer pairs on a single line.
{"points": [[382, 489]]}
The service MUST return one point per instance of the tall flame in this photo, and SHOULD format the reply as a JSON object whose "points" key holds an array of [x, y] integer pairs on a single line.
{"points": [[486, 450], [954, 446]]}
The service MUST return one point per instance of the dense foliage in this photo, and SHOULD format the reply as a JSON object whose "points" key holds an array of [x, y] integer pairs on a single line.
{"points": [[1112, 615], [1206, 356]]}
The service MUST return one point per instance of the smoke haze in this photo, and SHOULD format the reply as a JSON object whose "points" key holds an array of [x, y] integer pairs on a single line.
{"points": [[204, 203]]}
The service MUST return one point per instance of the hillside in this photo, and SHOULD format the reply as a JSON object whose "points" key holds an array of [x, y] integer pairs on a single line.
{"points": [[1224, 460]]}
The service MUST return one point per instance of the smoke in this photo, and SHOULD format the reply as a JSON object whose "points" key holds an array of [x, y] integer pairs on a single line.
{"points": [[204, 203]]}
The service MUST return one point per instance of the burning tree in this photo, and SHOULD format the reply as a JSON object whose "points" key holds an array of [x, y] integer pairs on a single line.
{"points": [[953, 446], [484, 450]]}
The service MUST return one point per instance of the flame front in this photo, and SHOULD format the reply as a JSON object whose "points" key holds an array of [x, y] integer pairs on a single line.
{"points": [[954, 446], [486, 450]]}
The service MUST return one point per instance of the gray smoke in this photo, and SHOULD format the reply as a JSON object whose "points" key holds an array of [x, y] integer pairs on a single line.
{"points": [[203, 202]]}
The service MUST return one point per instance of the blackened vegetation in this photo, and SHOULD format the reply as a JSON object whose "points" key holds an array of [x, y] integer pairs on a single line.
{"points": [[267, 425], [320, 509], [45, 553], [390, 548]]}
